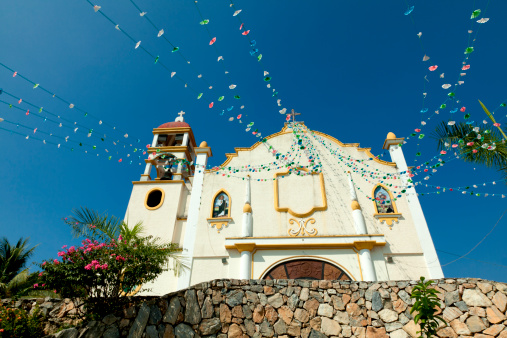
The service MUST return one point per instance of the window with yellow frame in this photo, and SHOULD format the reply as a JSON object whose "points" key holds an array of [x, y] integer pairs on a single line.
{"points": [[221, 207]]}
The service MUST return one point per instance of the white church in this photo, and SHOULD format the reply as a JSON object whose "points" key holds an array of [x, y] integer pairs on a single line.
{"points": [[298, 204]]}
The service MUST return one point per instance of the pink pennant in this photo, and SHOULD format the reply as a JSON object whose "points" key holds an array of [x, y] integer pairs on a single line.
{"points": [[148, 145], [433, 68], [470, 144], [120, 160], [496, 124], [246, 32], [211, 105], [474, 151], [212, 41], [466, 67], [35, 130], [254, 132], [462, 109], [27, 112], [241, 27], [287, 118], [144, 153], [15, 73], [20, 100], [417, 130], [239, 116], [455, 146]]}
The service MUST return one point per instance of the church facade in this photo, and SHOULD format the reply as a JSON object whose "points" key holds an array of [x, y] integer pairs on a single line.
{"points": [[297, 204]]}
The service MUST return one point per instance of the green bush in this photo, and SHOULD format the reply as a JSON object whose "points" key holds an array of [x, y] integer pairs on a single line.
{"points": [[426, 304], [102, 274], [18, 323]]}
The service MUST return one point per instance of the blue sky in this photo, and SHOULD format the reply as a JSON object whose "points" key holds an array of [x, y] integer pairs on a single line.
{"points": [[353, 69]]}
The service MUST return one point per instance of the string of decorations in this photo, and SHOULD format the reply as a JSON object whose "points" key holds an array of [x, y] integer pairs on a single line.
{"points": [[175, 49], [254, 52], [69, 104], [451, 95], [156, 59]]}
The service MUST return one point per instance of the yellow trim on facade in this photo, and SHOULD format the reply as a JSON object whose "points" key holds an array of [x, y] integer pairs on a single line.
{"points": [[159, 182], [173, 149], [287, 237], [361, 245], [230, 156], [292, 258], [245, 247], [366, 150], [161, 199], [290, 211], [292, 246]]}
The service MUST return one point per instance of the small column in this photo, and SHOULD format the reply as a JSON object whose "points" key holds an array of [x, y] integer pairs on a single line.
{"points": [[247, 224], [392, 143], [245, 268], [367, 268], [147, 169], [201, 154]]}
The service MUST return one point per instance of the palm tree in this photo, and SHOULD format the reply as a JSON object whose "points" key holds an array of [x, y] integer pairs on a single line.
{"points": [[13, 278], [479, 139], [91, 224]]}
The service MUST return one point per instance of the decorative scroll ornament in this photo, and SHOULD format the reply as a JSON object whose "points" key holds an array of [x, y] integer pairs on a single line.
{"points": [[302, 229], [219, 223]]}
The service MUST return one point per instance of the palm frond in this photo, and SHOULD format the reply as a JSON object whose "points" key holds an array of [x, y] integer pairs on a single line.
{"points": [[495, 158], [89, 223]]}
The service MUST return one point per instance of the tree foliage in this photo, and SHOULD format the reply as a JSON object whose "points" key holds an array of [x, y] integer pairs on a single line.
{"points": [[105, 269], [490, 148], [14, 278], [426, 304]]}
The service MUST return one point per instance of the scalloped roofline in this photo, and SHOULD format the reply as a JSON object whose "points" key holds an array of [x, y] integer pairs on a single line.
{"points": [[230, 156]]}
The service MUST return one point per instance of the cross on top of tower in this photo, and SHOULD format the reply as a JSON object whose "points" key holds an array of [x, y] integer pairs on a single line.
{"points": [[180, 117], [293, 113]]}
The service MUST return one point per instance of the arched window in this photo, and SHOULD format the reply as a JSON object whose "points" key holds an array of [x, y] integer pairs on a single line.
{"points": [[383, 200], [221, 205]]}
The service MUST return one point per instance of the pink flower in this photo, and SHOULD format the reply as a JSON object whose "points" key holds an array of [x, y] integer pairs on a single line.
{"points": [[44, 263], [63, 247], [104, 267], [35, 285], [88, 241], [40, 274], [55, 261], [120, 238], [43, 285], [88, 267], [61, 254]]}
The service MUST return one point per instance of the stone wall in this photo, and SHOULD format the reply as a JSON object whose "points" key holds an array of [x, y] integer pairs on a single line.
{"points": [[304, 308]]}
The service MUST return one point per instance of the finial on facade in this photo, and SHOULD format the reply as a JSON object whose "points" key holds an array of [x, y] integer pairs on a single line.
{"points": [[180, 117], [203, 144], [355, 205], [247, 208]]}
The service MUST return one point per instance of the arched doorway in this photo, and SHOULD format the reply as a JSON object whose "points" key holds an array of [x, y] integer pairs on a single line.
{"points": [[306, 269]]}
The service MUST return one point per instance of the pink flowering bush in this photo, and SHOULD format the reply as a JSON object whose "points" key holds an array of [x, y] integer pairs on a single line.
{"points": [[103, 273]]}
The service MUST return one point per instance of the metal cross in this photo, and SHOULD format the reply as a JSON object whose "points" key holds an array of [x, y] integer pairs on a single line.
{"points": [[293, 113], [181, 113]]}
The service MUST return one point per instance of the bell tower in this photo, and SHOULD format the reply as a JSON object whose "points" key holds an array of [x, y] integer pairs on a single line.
{"points": [[163, 196]]}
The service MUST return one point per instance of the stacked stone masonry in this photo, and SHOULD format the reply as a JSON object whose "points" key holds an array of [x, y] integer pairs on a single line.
{"points": [[305, 308]]}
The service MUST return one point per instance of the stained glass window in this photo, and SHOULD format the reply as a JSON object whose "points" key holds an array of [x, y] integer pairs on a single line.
{"points": [[221, 205], [383, 201]]}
